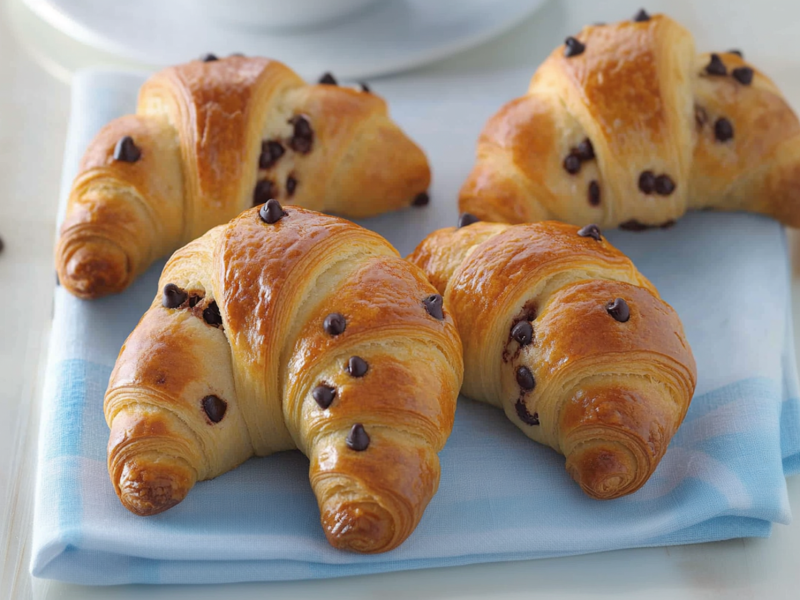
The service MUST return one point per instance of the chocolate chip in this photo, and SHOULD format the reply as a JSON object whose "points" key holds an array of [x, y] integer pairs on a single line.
{"points": [[193, 301], [700, 116], [573, 47], [211, 315], [525, 379], [572, 163], [723, 130], [263, 192], [523, 333], [291, 186], [126, 150], [594, 193], [324, 395], [618, 309], [585, 150], [524, 415], [592, 231], [364, 87], [641, 16], [173, 296], [716, 66], [664, 185], [647, 182], [334, 324], [466, 219], [357, 366], [433, 304], [736, 52], [328, 79], [271, 151], [421, 199], [303, 136], [743, 75], [215, 408], [271, 212], [209, 57], [357, 439]]}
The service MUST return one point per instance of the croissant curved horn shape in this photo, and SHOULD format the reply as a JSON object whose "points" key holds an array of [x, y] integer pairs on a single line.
{"points": [[626, 125], [288, 329], [562, 332], [211, 139]]}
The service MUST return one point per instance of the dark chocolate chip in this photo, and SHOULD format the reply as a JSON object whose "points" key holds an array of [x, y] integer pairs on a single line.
{"points": [[700, 116], [126, 150], [357, 439], [421, 199], [723, 130], [525, 379], [365, 87], [324, 395], [466, 219], [291, 186], [303, 136], [334, 324], [618, 309], [716, 66], [647, 182], [736, 52], [328, 79], [743, 75], [594, 193], [271, 151], [173, 296], [215, 408], [664, 185], [523, 333], [357, 366], [585, 150], [641, 16], [573, 47], [263, 192], [271, 212], [592, 231], [524, 415], [211, 315], [209, 57], [433, 304], [193, 301], [572, 163]]}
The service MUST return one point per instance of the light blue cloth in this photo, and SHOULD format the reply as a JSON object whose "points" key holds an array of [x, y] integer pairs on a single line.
{"points": [[502, 497]]}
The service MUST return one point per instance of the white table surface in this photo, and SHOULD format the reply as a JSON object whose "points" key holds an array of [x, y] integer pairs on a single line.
{"points": [[36, 63]]}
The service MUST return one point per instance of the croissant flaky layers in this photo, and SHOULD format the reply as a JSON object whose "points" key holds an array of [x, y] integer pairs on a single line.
{"points": [[289, 329], [626, 125], [212, 138], [562, 332]]}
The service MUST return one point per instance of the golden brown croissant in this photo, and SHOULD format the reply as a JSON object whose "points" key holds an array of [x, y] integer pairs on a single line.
{"points": [[214, 137], [289, 329], [564, 334], [625, 125]]}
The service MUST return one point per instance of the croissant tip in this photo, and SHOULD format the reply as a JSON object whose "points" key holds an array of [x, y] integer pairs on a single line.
{"points": [[95, 269], [604, 473], [149, 489], [363, 527]]}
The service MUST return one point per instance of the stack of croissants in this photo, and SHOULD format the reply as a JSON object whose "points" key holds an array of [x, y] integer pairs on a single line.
{"points": [[278, 327]]}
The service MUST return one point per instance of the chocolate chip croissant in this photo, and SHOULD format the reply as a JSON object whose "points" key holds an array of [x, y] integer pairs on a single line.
{"points": [[625, 125], [289, 329], [562, 332], [212, 138]]}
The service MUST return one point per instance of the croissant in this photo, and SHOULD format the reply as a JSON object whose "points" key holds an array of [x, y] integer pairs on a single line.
{"points": [[214, 137], [625, 125], [289, 329], [562, 332]]}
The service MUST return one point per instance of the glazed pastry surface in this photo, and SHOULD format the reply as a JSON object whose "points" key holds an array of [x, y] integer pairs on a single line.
{"points": [[562, 332], [626, 125], [307, 332], [211, 139]]}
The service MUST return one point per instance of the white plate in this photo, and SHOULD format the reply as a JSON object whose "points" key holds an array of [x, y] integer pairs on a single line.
{"points": [[391, 36]]}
